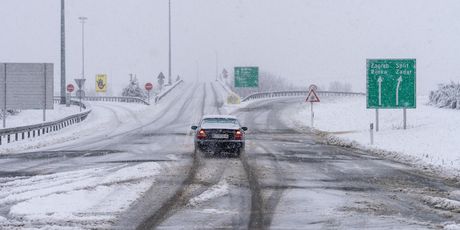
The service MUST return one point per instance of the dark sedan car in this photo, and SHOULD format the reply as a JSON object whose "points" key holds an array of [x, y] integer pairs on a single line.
{"points": [[219, 133]]}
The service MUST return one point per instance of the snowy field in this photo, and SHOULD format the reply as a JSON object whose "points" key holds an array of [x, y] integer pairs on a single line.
{"points": [[85, 198], [31, 117], [430, 140]]}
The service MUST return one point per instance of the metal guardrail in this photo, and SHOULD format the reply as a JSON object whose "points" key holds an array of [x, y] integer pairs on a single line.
{"points": [[122, 99], [57, 100], [20, 133], [260, 95], [163, 94], [112, 99]]}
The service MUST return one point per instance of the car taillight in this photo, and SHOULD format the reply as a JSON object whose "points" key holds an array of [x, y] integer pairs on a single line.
{"points": [[201, 134], [238, 135]]}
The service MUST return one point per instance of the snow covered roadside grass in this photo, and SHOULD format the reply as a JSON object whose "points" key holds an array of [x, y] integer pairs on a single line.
{"points": [[31, 117], [88, 198], [105, 118], [224, 92], [430, 141]]}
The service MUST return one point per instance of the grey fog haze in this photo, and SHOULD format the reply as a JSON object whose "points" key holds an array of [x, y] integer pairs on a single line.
{"points": [[303, 41]]}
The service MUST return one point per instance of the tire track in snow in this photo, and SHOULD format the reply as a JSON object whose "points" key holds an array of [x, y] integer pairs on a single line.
{"points": [[196, 181], [262, 207], [179, 198]]}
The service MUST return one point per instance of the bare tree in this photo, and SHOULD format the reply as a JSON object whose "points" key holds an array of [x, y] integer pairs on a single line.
{"points": [[267, 82]]}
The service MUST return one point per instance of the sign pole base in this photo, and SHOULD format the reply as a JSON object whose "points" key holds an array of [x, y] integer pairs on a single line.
{"points": [[312, 114], [4, 118], [376, 120], [372, 133], [404, 118], [67, 100]]}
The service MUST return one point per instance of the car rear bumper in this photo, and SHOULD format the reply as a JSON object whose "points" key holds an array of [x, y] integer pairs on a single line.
{"points": [[219, 144], [218, 141]]}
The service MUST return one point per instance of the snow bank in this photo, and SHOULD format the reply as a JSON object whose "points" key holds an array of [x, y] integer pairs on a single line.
{"points": [[215, 191], [31, 117], [442, 203], [106, 118], [91, 197], [451, 226], [430, 141]]}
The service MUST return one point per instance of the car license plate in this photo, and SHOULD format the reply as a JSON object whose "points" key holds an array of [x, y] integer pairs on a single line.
{"points": [[220, 136]]}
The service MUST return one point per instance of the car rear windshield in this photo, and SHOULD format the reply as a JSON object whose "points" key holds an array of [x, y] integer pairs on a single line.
{"points": [[220, 120]]}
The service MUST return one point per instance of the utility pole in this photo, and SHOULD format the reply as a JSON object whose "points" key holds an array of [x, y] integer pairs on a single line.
{"points": [[169, 72], [63, 81]]}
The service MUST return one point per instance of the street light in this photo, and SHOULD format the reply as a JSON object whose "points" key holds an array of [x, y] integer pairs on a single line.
{"points": [[63, 81], [82, 21], [169, 72], [81, 81]]}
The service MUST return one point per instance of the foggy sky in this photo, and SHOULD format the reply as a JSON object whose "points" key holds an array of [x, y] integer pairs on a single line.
{"points": [[301, 40]]}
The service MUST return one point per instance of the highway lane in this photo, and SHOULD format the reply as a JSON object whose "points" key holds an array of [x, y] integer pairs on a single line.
{"points": [[214, 194], [284, 179], [291, 180], [309, 185], [143, 138]]}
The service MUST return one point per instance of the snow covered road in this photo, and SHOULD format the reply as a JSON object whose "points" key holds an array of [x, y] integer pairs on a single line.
{"points": [[137, 170]]}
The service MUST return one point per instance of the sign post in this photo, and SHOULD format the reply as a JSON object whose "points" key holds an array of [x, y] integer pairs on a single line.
{"points": [[44, 89], [80, 92], [371, 130], [70, 89], [312, 97], [4, 98], [148, 86], [376, 120], [391, 84]]}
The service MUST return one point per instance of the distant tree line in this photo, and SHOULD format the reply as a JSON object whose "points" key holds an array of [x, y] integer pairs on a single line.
{"points": [[340, 86], [272, 82], [267, 82]]}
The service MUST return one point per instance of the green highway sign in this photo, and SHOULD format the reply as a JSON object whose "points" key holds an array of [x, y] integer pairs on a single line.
{"points": [[246, 77], [391, 83]]}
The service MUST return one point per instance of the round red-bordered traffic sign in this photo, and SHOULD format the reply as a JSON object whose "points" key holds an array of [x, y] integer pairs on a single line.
{"points": [[70, 88], [148, 86]]}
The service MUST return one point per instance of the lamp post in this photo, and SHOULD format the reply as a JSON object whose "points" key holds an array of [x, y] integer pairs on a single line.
{"points": [[81, 82], [169, 26], [63, 81], [82, 21]]}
